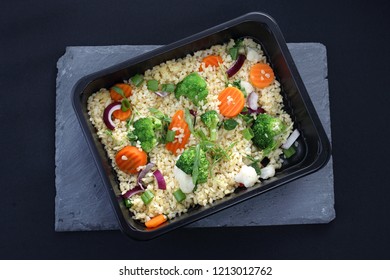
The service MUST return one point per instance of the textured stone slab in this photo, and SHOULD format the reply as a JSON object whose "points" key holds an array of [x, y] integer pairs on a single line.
{"points": [[81, 202]]}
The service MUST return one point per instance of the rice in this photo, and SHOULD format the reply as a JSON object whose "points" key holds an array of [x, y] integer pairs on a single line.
{"points": [[173, 71]]}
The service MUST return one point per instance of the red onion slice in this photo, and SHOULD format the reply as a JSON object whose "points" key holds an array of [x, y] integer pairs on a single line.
{"points": [[161, 93], [160, 180], [236, 66], [291, 139], [130, 193], [107, 114], [252, 100], [143, 172]]}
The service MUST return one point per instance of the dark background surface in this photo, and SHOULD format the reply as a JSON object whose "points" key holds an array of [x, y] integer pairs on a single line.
{"points": [[34, 35]]}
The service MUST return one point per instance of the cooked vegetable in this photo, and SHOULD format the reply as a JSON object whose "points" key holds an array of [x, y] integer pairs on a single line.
{"points": [[182, 132], [246, 86], [128, 203], [144, 129], [236, 66], [232, 102], [120, 91], [252, 101], [261, 75], [185, 180], [194, 157], [211, 60], [133, 191], [147, 197], [179, 195], [162, 93], [156, 221], [168, 88], [143, 172], [289, 152], [130, 158], [247, 133], [152, 85], [291, 139], [193, 87], [121, 115], [107, 114], [265, 129], [137, 80], [165, 121], [230, 124], [247, 176], [160, 180], [267, 172], [211, 120], [252, 55]]}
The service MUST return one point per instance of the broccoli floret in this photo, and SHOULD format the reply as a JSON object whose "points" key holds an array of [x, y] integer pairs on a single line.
{"points": [[144, 129], [211, 120], [265, 130], [193, 87], [186, 163]]}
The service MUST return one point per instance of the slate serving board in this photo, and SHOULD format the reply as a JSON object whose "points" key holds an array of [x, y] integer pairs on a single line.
{"points": [[81, 202]]}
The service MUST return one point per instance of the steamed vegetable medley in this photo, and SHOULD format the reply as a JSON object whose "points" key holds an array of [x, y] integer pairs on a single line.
{"points": [[193, 130]]}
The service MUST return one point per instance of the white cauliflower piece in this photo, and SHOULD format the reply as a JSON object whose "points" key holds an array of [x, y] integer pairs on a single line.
{"points": [[267, 172], [247, 86], [246, 176], [185, 181], [252, 55]]}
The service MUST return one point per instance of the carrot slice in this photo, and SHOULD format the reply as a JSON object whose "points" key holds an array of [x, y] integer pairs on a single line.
{"points": [[121, 115], [261, 75], [232, 102], [156, 221], [130, 158], [182, 132], [211, 60], [118, 90]]}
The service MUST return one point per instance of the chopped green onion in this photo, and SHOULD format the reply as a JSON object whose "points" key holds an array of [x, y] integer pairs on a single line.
{"points": [[170, 136], [289, 152], [119, 91], [137, 80], [128, 203], [125, 106], [168, 87], [108, 132], [179, 195], [147, 197], [230, 124], [248, 133], [152, 85]]}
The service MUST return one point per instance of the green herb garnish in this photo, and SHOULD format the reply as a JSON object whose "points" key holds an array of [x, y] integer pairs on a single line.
{"points": [[230, 124]]}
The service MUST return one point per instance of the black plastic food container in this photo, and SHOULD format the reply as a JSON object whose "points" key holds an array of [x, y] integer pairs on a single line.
{"points": [[313, 150]]}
